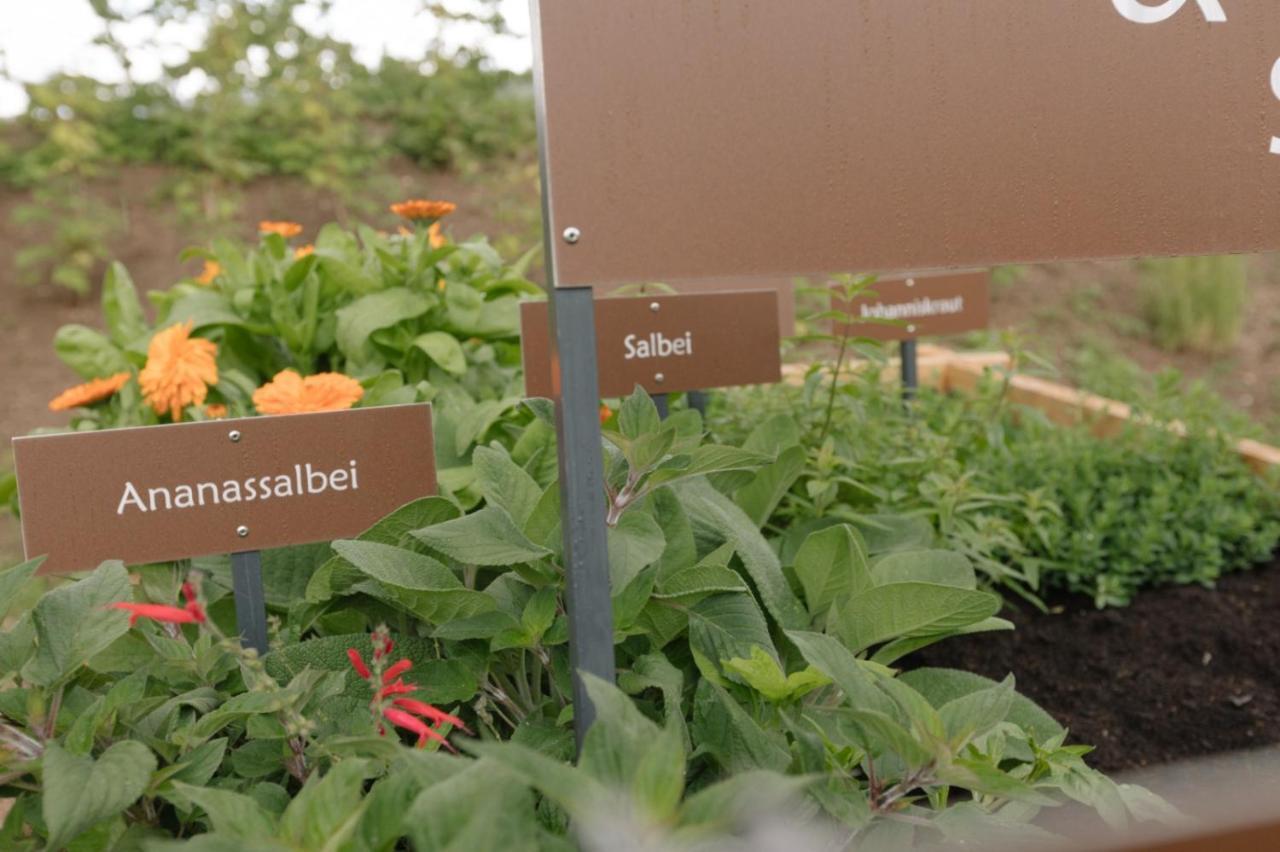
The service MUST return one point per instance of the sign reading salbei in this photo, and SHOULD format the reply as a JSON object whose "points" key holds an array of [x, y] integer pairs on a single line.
{"points": [[169, 492], [668, 343]]}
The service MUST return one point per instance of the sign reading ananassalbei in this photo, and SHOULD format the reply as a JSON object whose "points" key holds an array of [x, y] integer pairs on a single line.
{"points": [[157, 493], [691, 140]]}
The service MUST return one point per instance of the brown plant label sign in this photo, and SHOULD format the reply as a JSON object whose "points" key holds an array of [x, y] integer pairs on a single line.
{"points": [[689, 140], [158, 493], [667, 344], [918, 306]]}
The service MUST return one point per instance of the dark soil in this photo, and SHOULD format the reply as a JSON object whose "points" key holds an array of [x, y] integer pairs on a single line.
{"points": [[1183, 672]]}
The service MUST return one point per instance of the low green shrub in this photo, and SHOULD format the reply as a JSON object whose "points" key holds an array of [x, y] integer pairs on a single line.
{"points": [[755, 676], [1195, 302], [1036, 506]]}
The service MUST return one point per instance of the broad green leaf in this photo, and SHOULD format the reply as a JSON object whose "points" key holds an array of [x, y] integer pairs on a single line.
{"points": [[360, 319], [621, 736], [833, 659], [229, 813], [634, 544], [743, 797], [723, 729], [891, 652], [638, 415], [712, 510], [658, 783], [486, 537], [504, 483], [699, 581], [396, 566], [444, 349], [763, 674], [482, 807], [325, 813], [761, 496], [90, 353], [941, 567], [680, 550], [832, 564], [898, 610], [882, 734], [709, 459], [121, 308], [942, 686], [983, 778], [79, 791], [728, 626], [974, 714], [202, 308], [74, 622], [12, 581], [887, 533]]}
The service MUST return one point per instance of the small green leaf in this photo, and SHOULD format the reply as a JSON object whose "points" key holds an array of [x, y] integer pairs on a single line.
{"points": [[486, 537], [832, 564], [444, 349], [763, 674]]}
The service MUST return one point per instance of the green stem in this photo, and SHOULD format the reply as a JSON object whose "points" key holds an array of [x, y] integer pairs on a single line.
{"points": [[835, 384]]}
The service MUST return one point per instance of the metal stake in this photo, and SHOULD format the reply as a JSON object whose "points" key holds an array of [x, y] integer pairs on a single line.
{"points": [[582, 502], [251, 601], [910, 369], [698, 401], [660, 400]]}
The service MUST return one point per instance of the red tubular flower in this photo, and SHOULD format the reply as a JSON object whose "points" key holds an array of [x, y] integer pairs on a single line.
{"points": [[192, 613], [401, 719], [396, 670], [433, 713], [358, 664], [397, 688]]}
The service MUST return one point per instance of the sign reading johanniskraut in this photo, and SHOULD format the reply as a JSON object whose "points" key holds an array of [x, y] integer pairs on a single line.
{"points": [[696, 139], [158, 493]]}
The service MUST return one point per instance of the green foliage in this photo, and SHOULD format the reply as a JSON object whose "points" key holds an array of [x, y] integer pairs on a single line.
{"points": [[1033, 506], [753, 678], [1195, 302]]}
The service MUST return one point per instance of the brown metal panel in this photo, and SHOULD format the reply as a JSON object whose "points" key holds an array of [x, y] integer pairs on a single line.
{"points": [[694, 342], [921, 306], [696, 138], [77, 507]]}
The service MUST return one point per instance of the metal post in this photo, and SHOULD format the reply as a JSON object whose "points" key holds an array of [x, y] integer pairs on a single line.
{"points": [[698, 401], [582, 501], [251, 601], [910, 369], [660, 400]]}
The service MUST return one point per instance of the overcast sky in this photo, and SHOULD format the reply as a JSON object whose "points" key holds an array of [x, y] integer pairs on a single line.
{"points": [[41, 37]]}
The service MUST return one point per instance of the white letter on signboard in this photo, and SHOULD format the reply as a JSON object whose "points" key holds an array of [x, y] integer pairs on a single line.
{"points": [[1275, 87], [1140, 13]]}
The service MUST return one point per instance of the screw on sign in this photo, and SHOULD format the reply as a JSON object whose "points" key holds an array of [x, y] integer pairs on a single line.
{"points": [[1213, 11]]}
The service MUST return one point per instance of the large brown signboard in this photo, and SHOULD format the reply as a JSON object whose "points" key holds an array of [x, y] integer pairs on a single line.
{"points": [[919, 306], [690, 139], [667, 344], [158, 493]]}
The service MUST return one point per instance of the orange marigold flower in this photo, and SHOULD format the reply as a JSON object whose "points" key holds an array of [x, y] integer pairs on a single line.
{"points": [[179, 370], [215, 411], [90, 392], [302, 251], [435, 237], [416, 209], [284, 229], [605, 413], [212, 269], [290, 393]]}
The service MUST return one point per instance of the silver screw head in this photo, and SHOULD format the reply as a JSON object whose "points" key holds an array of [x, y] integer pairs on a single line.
{"points": [[655, 307], [572, 235], [911, 329], [242, 531], [659, 378], [234, 435], [911, 282]]}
